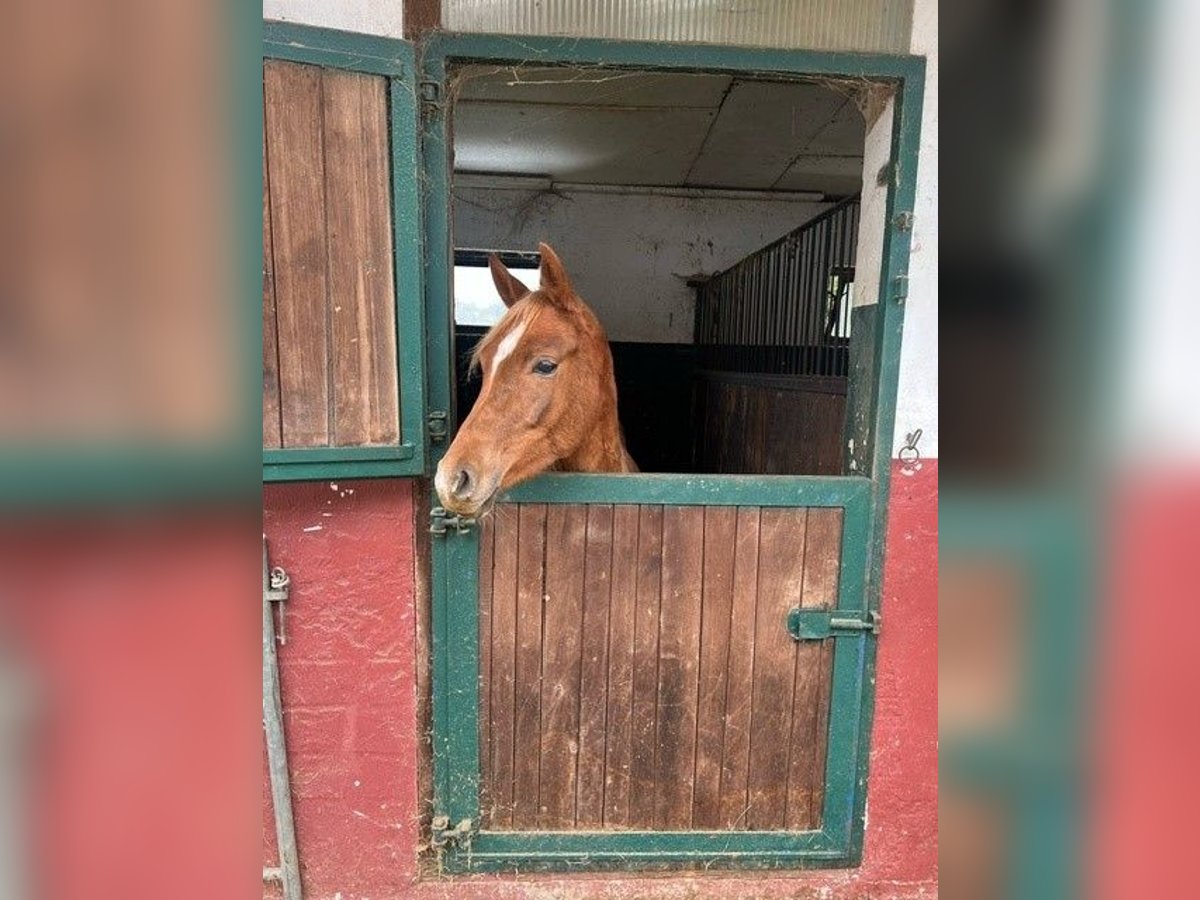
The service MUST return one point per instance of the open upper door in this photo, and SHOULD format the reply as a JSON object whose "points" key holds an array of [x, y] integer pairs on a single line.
{"points": [[343, 391]]}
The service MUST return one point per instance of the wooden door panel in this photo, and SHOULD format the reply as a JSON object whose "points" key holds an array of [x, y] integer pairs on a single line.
{"points": [[639, 674], [329, 310]]}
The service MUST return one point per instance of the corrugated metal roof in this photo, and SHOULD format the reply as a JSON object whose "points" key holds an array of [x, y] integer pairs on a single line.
{"points": [[882, 26]]}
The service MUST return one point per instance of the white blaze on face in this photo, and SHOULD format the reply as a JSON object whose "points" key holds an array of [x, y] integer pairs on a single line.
{"points": [[507, 345]]}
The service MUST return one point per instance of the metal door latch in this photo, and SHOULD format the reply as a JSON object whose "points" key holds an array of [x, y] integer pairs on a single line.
{"points": [[437, 425], [430, 91], [442, 835], [277, 585], [818, 624], [441, 522], [275, 588]]}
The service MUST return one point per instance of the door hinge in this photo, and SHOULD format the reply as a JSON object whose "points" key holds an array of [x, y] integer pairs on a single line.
{"points": [[441, 835], [430, 92], [900, 293], [441, 521], [818, 624], [903, 221], [437, 420]]}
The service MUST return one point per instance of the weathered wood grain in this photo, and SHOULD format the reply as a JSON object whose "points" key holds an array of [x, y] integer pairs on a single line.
{"points": [[814, 662], [780, 579], [566, 537], [531, 557], [735, 759], [500, 747], [775, 427], [359, 239], [295, 161], [622, 615], [643, 742], [678, 664], [593, 674], [271, 426], [487, 544], [720, 537], [638, 672]]}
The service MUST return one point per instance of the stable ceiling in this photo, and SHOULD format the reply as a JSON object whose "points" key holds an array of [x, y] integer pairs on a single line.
{"points": [[612, 127]]}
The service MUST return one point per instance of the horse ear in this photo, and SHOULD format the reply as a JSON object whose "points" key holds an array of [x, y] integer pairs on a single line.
{"points": [[510, 288], [554, 280]]}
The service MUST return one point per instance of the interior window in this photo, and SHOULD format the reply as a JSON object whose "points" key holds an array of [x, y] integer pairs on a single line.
{"points": [[476, 302]]}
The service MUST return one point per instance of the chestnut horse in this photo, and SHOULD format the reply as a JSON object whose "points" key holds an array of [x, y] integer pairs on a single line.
{"points": [[548, 398]]}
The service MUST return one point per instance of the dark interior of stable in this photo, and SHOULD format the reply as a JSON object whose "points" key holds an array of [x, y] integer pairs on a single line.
{"points": [[725, 279]]}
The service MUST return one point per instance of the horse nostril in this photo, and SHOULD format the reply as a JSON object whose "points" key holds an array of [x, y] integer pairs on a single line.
{"points": [[463, 483]]}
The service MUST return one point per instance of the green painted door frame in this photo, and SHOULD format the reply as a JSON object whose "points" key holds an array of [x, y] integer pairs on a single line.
{"points": [[454, 563], [456, 690], [396, 61]]}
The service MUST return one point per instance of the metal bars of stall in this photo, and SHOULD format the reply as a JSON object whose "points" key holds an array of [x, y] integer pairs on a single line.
{"points": [[784, 309]]}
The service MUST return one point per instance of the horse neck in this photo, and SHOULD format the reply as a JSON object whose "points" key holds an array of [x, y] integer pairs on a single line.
{"points": [[603, 445], [603, 448]]}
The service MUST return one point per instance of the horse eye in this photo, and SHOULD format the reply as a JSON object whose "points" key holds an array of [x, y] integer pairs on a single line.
{"points": [[545, 366]]}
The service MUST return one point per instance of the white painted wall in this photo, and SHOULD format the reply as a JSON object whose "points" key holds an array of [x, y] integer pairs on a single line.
{"points": [[629, 256], [872, 216], [364, 16], [917, 404]]}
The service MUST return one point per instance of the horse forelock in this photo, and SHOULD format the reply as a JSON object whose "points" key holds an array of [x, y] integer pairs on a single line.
{"points": [[520, 314]]}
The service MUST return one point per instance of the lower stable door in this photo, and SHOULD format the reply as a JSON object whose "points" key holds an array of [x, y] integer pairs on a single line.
{"points": [[667, 682]]}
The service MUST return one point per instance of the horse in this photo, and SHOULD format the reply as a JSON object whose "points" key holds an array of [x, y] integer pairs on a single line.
{"points": [[548, 399]]}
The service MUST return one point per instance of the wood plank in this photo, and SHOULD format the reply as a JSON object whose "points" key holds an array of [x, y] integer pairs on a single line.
{"points": [[621, 618], [487, 537], [566, 543], [814, 669], [780, 581], [503, 675], [735, 757], [804, 431], [593, 675], [731, 420], [643, 762], [720, 540], [527, 693], [758, 412], [296, 163], [772, 428], [271, 425], [820, 739], [678, 664], [361, 291]]}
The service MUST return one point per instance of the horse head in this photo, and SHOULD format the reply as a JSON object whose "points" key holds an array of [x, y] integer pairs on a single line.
{"points": [[548, 398]]}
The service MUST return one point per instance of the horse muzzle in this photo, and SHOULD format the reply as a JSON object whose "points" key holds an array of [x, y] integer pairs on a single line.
{"points": [[462, 489]]}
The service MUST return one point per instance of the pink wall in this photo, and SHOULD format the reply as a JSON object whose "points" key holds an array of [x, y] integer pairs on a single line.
{"points": [[348, 674], [348, 681]]}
